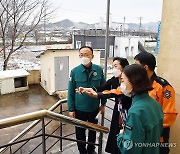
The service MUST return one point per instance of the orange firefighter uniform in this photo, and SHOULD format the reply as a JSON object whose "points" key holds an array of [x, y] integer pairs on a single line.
{"points": [[164, 93]]}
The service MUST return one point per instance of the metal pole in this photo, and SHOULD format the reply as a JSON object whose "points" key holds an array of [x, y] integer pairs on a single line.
{"points": [[101, 136], [107, 38], [43, 137], [60, 141], [105, 69], [10, 150]]}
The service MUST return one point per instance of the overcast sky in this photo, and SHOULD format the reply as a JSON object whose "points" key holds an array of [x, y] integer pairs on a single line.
{"points": [[90, 11]]}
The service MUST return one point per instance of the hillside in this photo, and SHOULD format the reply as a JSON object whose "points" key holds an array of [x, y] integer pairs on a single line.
{"points": [[68, 24]]}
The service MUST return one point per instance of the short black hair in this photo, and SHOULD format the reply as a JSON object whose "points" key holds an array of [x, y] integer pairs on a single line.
{"points": [[137, 76], [86, 47], [123, 61], [146, 58]]}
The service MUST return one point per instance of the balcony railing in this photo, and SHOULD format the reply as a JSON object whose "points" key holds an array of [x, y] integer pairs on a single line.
{"points": [[40, 116]]}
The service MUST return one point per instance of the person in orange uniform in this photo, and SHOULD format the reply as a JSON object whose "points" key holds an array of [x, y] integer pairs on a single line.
{"points": [[163, 92]]}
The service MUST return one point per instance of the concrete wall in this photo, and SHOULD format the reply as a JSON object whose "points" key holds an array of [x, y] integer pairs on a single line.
{"points": [[47, 65], [7, 86], [34, 77], [169, 58], [169, 54]]}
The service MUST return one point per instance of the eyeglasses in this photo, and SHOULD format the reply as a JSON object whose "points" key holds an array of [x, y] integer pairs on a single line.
{"points": [[84, 55]]}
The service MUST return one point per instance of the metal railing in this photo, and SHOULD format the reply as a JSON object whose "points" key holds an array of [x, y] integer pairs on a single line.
{"points": [[31, 126], [39, 116]]}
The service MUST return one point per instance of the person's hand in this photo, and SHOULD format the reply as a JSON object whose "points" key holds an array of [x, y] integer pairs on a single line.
{"points": [[72, 114], [81, 90], [88, 91], [91, 92]]}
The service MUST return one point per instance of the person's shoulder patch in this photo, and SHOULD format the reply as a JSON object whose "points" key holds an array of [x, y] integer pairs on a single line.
{"points": [[167, 94]]}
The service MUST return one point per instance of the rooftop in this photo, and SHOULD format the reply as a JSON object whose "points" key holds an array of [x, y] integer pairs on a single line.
{"points": [[13, 73]]}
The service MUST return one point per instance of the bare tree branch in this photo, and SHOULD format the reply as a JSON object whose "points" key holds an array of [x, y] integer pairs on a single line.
{"points": [[19, 18]]}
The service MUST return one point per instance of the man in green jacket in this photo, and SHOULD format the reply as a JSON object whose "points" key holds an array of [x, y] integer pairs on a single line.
{"points": [[82, 106]]}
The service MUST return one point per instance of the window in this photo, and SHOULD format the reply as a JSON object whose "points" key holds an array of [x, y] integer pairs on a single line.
{"points": [[78, 44], [127, 51], [111, 54], [88, 44], [132, 49]]}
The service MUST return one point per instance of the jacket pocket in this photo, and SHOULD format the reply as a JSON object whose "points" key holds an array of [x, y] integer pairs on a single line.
{"points": [[96, 81], [81, 83]]}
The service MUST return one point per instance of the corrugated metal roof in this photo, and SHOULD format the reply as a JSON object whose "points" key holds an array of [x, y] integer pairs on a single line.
{"points": [[13, 73]]}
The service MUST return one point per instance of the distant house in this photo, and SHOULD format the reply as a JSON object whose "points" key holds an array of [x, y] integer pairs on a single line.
{"points": [[56, 65], [122, 45], [94, 38], [13, 80]]}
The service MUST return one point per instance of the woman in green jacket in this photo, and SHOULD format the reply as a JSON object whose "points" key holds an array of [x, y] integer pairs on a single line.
{"points": [[142, 127]]}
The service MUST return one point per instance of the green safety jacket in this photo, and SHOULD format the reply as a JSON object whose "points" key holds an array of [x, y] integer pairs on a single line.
{"points": [[143, 127], [79, 77]]}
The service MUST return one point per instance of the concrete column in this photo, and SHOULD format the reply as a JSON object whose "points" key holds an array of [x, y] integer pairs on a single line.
{"points": [[169, 54], [169, 58]]}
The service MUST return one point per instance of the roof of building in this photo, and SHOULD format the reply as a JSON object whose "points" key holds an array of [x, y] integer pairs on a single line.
{"points": [[13, 73], [54, 50], [61, 50]]}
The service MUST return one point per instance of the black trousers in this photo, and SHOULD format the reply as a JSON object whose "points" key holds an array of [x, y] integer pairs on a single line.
{"points": [[80, 132], [111, 145], [165, 135]]}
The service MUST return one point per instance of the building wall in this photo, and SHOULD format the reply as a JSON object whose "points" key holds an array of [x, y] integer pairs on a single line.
{"points": [[47, 65], [97, 42], [169, 58], [7, 86], [34, 77], [122, 45], [47, 71]]}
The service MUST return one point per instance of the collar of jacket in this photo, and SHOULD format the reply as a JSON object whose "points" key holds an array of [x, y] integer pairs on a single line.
{"points": [[153, 77], [139, 96], [92, 67]]}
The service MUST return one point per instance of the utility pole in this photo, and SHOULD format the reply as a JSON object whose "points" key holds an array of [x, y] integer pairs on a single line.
{"points": [[124, 24], [105, 68], [107, 38], [140, 23]]}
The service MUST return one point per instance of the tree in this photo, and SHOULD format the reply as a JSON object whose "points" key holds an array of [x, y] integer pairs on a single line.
{"points": [[36, 35], [18, 18]]}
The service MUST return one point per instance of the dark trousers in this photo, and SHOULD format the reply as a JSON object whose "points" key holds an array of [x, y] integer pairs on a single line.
{"points": [[165, 135], [80, 132]]}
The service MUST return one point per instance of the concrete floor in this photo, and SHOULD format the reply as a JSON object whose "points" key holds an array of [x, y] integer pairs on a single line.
{"points": [[34, 99]]}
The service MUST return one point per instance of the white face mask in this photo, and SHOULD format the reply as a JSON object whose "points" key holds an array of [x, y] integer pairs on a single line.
{"points": [[116, 72], [125, 91], [85, 60]]}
